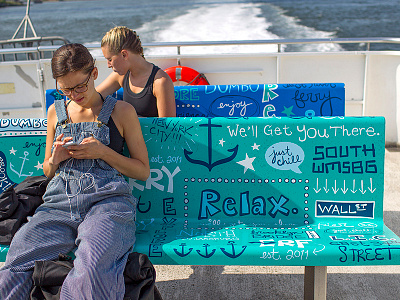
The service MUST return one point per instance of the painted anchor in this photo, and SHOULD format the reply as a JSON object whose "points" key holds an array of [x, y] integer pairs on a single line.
{"points": [[233, 254], [207, 255], [26, 153], [183, 254], [210, 164]]}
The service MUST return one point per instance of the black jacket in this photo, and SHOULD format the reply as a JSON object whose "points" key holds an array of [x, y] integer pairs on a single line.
{"points": [[19, 202]]}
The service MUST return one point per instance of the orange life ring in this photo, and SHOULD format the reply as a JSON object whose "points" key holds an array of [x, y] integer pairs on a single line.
{"points": [[186, 74]]}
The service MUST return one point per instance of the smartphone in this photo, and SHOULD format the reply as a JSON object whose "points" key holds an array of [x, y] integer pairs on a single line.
{"points": [[70, 143]]}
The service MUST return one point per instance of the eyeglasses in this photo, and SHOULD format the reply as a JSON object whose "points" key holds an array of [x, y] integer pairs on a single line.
{"points": [[80, 88]]}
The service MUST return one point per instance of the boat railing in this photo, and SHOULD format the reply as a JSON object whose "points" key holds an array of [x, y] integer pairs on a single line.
{"points": [[30, 48], [33, 48], [366, 42]]}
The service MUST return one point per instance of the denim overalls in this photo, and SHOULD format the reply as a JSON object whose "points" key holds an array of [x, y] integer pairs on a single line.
{"points": [[87, 204]]}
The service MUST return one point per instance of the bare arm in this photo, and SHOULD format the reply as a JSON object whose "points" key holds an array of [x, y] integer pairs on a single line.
{"points": [[59, 154], [163, 89], [110, 85]]}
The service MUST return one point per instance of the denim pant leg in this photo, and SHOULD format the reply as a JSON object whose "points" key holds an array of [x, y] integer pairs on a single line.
{"points": [[105, 238], [15, 285], [45, 236]]}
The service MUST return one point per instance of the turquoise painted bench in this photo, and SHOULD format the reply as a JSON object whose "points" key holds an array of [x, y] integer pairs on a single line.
{"points": [[253, 100], [248, 191]]}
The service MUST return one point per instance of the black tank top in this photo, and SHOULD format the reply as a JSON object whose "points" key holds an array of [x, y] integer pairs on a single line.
{"points": [[144, 102], [116, 140]]}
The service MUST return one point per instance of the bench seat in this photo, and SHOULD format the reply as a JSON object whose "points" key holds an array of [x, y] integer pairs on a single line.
{"points": [[173, 243]]}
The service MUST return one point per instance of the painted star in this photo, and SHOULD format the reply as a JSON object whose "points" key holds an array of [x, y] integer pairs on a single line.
{"points": [[221, 142], [12, 151], [255, 146], [39, 166], [247, 163], [288, 111]]}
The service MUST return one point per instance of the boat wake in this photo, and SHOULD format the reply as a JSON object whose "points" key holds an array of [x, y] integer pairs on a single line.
{"points": [[229, 22]]}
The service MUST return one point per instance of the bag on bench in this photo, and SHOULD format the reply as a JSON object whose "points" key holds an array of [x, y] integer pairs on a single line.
{"points": [[19, 202], [140, 276]]}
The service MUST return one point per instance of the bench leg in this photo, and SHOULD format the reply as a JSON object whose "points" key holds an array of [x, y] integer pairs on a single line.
{"points": [[315, 279]]}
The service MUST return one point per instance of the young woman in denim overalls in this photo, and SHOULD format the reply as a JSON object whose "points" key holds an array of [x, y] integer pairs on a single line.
{"points": [[88, 205]]}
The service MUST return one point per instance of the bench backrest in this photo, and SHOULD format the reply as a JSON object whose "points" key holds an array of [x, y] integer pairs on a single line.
{"points": [[263, 172], [339, 157], [336, 158], [254, 100]]}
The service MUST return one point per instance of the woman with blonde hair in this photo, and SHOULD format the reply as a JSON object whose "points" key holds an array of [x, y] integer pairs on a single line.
{"points": [[148, 88]]}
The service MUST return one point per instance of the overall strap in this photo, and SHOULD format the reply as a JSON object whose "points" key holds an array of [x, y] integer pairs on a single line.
{"points": [[107, 109], [61, 111]]}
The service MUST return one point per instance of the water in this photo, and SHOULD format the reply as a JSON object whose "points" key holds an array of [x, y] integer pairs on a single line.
{"points": [[208, 20]]}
